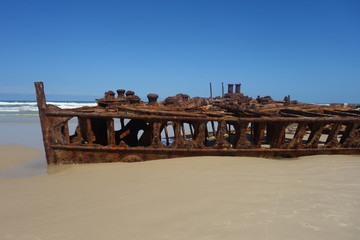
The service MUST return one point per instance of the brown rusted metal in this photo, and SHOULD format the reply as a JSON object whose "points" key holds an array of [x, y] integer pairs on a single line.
{"points": [[45, 123], [124, 128]]}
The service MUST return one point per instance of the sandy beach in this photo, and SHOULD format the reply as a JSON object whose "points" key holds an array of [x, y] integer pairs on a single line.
{"points": [[313, 197]]}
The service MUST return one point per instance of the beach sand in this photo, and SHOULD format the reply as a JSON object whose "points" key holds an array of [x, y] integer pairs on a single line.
{"points": [[13, 155], [315, 197], [21, 149]]}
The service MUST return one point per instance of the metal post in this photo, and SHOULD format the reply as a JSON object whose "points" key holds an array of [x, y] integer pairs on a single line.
{"points": [[230, 88], [237, 88], [44, 121], [222, 90]]}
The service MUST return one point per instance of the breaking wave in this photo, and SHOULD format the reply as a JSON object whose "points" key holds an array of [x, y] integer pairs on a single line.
{"points": [[29, 108]]}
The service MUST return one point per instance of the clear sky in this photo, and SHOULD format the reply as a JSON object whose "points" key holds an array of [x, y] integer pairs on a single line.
{"points": [[309, 49]]}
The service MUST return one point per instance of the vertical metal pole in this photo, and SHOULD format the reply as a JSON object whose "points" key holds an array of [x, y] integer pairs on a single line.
{"points": [[210, 91], [222, 89], [122, 123], [166, 134], [237, 88], [183, 130], [191, 131], [213, 128], [230, 88], [206, 134], [44, 121], [110, 132]]}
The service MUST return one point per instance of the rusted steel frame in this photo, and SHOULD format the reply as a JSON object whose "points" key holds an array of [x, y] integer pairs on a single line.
{"points": [[122, 115], [140, 148], [316, 132], [112, 154], [59, 130], [258, 133], [164, 127], [155, 134], [296, 142], [44, 121], [348, 137], [341, 113], [158, 112], [302, 113], [200, 134], [111, 132], [205, 118], [183, 131], [191, 130], [178, 139], [353, 111], [332, 139], [228, 129], [206, 134], [255, 120], [270, 132], [278, 136], [275, 134], [161, 151], [65, 133], [287, 115], [88, 136], [214, 131], [220, 141], [86, 131], [275, 142], [122, 122], [240, 140]]}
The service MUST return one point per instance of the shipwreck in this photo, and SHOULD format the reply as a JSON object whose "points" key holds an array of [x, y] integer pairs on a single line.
{"points": [[122, 127]]}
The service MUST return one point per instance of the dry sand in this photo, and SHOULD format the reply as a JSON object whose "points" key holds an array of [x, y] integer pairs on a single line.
{"points": [[314, 197]]}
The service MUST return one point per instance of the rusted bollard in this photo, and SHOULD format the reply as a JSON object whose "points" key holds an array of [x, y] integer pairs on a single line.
{"points": [[121, 93], [230, 88], [152, 97], [129, 93], [109, 95], [237, 88]]}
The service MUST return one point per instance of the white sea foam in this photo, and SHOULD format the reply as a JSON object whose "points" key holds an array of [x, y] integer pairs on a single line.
{"points": [[67, 105], [23, 108], [17, 103]]}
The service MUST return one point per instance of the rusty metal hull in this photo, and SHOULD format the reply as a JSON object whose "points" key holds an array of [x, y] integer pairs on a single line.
{"points": [[128, 130], [70, 155]]}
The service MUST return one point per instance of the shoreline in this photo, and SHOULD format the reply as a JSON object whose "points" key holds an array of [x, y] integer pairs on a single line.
{"points": [[13, 155], [20, 161]]}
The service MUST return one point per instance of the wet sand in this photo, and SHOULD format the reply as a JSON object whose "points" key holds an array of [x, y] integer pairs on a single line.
{"points": [[315, 197], [13, 155], [21, 149]]}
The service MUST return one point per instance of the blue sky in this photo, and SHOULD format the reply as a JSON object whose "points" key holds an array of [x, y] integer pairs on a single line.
{"points": [[307, 49]]}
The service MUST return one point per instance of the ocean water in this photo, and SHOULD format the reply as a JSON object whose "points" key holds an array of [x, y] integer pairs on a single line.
{"points": [[12, 111]]}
